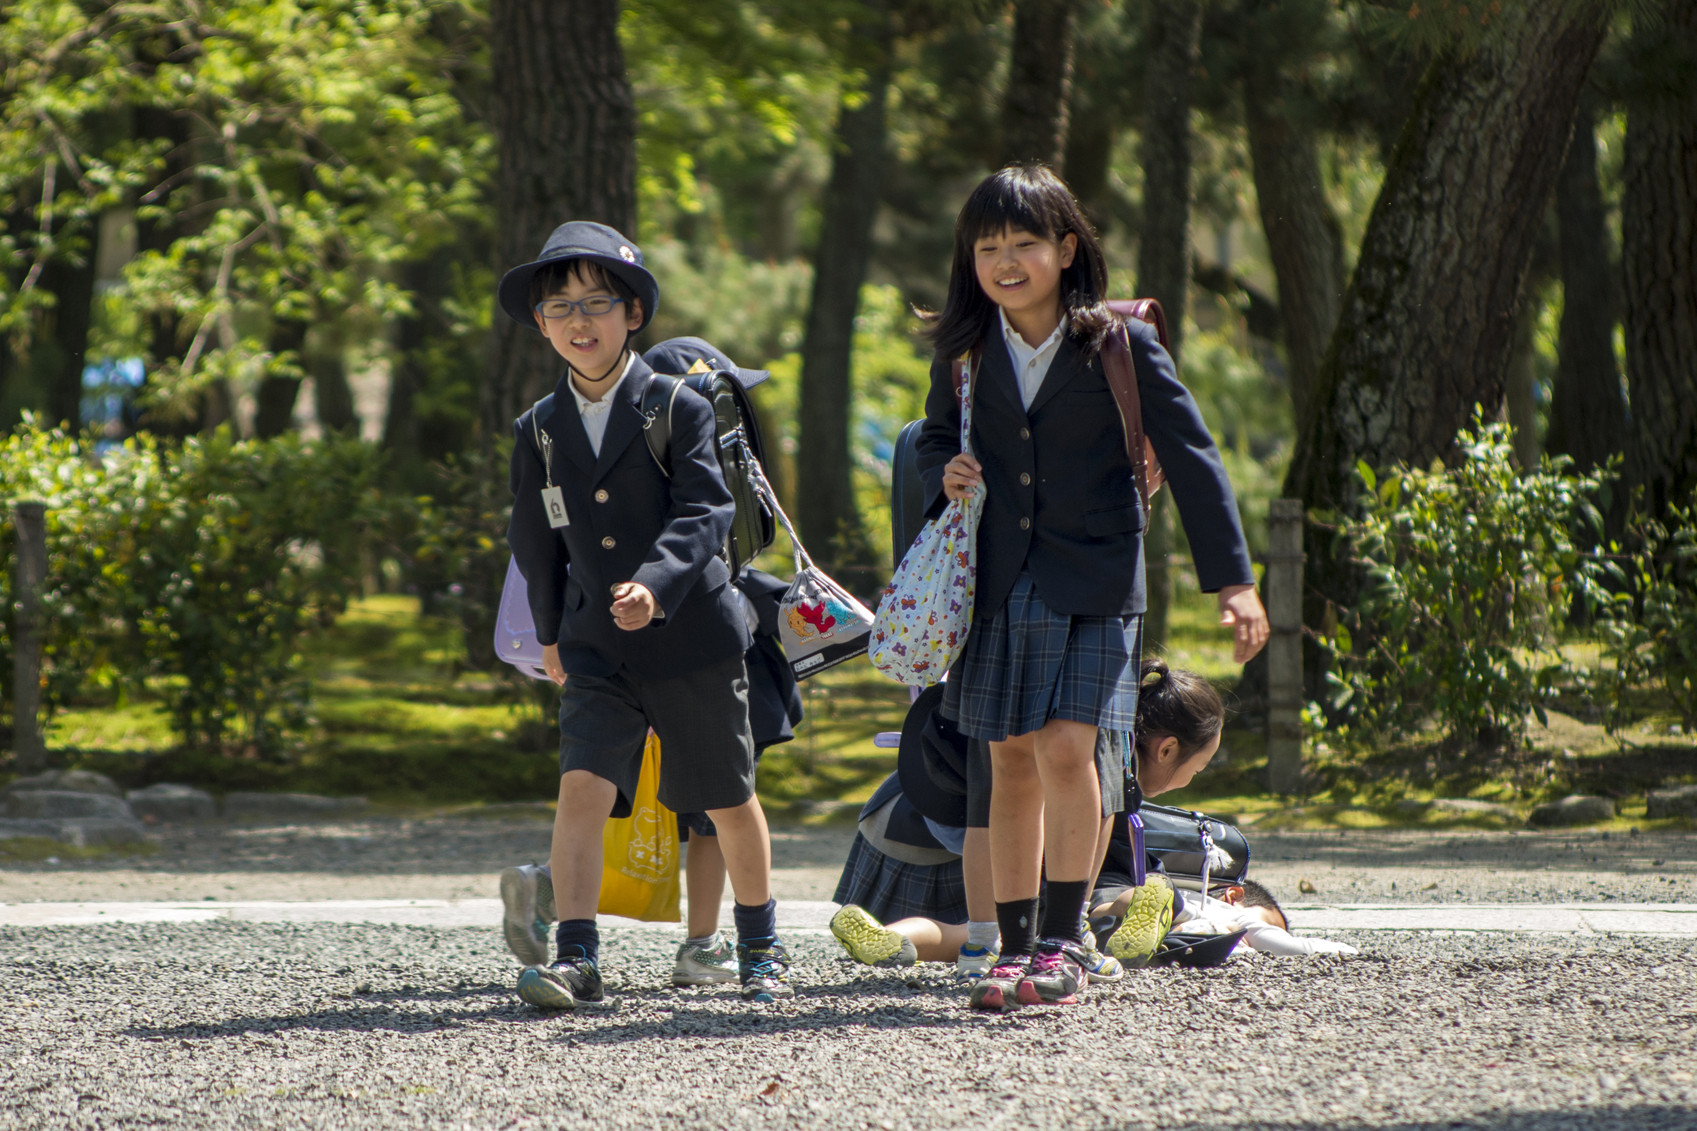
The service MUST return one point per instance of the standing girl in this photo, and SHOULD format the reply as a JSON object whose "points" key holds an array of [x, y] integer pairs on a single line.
{"points": [[1057, 622]]}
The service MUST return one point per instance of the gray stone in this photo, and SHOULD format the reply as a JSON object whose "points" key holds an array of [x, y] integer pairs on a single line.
{"points": [[1454, 807], [168, 801], [242, 805], [1578, 809], [82, 832], [11, 828], [73, 781], [63, 803], [1681, 801]]}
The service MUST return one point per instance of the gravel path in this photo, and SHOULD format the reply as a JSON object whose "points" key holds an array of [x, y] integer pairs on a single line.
{"points": [[457, 857], [243, 1025]]}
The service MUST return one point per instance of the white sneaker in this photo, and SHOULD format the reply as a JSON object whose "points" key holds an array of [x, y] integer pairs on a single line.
{"points": [[705, 965], [527, 901], [973, 962]]}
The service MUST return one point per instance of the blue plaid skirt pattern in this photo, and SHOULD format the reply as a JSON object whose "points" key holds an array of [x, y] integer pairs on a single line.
{"points": [[1027, 664], [892, 890]]}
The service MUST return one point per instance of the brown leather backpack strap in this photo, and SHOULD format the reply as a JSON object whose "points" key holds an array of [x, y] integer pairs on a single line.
{"points": [[1119, 369]]}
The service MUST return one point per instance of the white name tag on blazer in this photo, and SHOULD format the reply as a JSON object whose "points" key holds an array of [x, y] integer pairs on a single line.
{"points": [[554, 506]]}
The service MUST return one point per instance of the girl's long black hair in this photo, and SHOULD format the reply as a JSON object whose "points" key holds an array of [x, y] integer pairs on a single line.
{"points": [[1179, 703], [1032, 198]]}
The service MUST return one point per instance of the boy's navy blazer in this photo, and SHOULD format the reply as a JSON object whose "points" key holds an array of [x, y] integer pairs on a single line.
{"points": [[629, 522], [1060, 498]]}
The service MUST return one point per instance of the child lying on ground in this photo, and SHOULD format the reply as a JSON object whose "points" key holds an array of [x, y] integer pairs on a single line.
{"points": [[1248, 907]]}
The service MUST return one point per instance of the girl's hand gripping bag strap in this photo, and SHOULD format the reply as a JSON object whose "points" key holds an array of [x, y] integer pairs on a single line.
{"points": [[820, 624], [926, 610], [639, 862]]}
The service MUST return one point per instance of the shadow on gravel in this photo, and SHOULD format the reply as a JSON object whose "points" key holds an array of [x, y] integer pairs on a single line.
{"points": [[657, 1015], [1628, 1117], [802, 1016]]}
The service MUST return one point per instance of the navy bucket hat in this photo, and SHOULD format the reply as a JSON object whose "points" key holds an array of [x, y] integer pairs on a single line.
{"points": [[678, 356], [581, 239]]}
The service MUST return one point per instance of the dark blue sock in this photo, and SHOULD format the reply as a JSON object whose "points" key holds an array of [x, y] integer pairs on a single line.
{"points": [[756, 924], [577, 938]]}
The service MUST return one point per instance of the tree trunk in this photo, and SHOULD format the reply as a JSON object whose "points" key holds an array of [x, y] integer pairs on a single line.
{"points": [[63, 349], [332, 396], [1428, 324], [829, 516], [1303, 235], [274, 409], [1587, 406], [565, 125], [1034, 107], [1173, 35], [1519, 382], [1658, 224]]}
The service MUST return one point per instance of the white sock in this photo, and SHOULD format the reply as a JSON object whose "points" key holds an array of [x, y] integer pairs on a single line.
{"points": [[982, 934], [706, 942]]}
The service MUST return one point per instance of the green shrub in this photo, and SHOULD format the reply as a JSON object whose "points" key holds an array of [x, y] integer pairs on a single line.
{"points": [[194, 568], [1647, 624], [1467, 570]]}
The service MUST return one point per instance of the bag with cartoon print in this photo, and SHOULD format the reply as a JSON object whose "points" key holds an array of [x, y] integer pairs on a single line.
{"points": [[820, 624], [926, 610]]}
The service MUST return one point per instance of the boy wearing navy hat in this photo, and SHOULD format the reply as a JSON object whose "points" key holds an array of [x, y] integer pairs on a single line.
{"points": [[632, 603]]}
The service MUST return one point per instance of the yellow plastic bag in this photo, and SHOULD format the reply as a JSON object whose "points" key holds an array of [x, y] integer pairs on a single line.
{"points": [[639, 861]]}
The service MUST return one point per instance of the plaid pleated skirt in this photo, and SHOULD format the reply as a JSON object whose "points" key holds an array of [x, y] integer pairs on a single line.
{"points": [[891, 889], [1028, 664]]}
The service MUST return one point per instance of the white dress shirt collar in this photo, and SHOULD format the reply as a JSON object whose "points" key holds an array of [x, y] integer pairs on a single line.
{"points": [[594, 413], [1031, 363]]}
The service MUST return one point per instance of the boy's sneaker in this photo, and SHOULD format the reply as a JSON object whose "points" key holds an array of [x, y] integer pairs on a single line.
{"points": [[999, 988], [764, 969], [869, 941], [527, 900], [1146, 923], [567, 984], [973, 962], [1098, 967], [705, 965], [1054, 978]]}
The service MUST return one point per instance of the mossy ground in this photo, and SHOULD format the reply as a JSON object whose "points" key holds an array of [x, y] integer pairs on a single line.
{"points": [[395, 717]]}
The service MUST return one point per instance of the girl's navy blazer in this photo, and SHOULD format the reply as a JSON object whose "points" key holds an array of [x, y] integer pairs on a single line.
{"points": [[629, 522], [1061, 500]]}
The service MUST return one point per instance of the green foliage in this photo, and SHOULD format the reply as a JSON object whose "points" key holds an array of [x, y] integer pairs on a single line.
{"points": [[194, 571], [1648, 626], [280, 160], [1468, 569]]}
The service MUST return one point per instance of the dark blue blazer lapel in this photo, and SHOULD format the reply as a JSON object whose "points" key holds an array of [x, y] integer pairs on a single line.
{"points": [[1062, 370], [566, 427], [624, 419], [995, 373]]}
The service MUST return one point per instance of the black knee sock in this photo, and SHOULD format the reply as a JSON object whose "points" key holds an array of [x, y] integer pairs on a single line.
{"points": [[1017, 919], [574, 937], [1064, 910], [758, 924]]}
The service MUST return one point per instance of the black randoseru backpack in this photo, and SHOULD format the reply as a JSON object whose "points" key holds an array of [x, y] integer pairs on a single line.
{"points": [[737, 431]]}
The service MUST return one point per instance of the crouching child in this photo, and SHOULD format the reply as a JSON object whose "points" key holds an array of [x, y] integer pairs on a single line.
{"points": [[634, 607]]}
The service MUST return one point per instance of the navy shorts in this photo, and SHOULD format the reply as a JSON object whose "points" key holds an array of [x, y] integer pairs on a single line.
{"points": [[701, 718]]}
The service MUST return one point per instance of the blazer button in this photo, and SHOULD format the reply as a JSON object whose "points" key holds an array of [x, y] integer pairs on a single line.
{"points": [[1025, 433], [1025, 524], [1024, 479], [608, 543], [601, 495]]}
